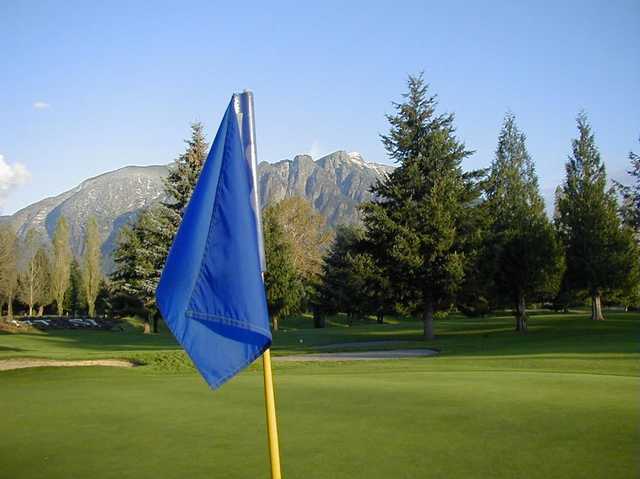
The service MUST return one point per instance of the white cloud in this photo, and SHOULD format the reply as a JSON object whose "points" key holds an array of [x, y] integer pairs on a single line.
{"points": [[10, 177], [41, 105]]}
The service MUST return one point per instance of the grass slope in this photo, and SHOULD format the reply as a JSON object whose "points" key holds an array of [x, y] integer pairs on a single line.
{"points": [[560, 402]]}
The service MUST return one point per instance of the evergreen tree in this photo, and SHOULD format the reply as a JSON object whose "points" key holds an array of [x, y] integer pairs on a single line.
{"points": [[126, 256], [601, 255], [103, 300], [525, 257], [91, 265], [422, 206], [62, 257], [631, 196], [143, 247], [475, 295], [74, 300], [139, 258], [352, 281], [282, 283], [8, 267], [335, 292], [183, 175]]}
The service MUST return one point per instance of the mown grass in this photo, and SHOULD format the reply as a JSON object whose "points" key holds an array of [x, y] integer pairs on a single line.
{"points": [[560, 402]]}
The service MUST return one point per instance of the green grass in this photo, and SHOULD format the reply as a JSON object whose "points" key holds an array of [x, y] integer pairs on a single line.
{"points": [[559, 402]]}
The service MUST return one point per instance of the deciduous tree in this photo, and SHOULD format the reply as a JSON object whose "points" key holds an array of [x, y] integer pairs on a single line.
{"points": [[35, 277], [61, 264], [306, 231], [8, 267], [91, 265], [282, 283]]}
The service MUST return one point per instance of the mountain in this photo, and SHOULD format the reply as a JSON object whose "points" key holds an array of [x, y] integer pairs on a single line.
{"points": [[335, 184]]}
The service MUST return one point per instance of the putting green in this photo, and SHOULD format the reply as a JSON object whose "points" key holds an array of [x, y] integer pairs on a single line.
{"points": [[358, 421], [561, 402]]}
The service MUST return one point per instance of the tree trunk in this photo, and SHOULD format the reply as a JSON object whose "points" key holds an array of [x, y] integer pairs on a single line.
{"points": [[521, 314], [31, 292], [274, 322], [40, 310], [155, 323], [10, 308], [147, 325], [380, 317], [596, 307], [427, 320]]}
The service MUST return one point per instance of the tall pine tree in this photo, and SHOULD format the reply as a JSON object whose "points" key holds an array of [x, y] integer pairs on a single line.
{"points": [[143, 247], [139, 258], [601, 255], [420, 209], [524, 256], [183, 175], [74, 299]]}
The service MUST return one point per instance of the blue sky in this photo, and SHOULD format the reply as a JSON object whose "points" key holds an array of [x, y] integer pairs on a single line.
{"points": [[88, 87]]}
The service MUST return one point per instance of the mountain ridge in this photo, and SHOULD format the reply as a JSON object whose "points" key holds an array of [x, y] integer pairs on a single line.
{"points": [[335, 184]]}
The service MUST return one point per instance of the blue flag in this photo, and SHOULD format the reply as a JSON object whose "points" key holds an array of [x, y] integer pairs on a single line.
{"points": [[211, 292]]}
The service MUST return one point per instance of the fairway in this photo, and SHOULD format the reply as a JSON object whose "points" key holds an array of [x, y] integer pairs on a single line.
{"points": [[559, 402]]}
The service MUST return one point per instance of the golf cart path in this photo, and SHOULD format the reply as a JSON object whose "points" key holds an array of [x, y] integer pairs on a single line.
{"points": [[21, 363], [359, 355]]}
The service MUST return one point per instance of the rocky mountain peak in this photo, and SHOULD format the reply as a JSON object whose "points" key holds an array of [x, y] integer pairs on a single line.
{"points": [[335, 185]]}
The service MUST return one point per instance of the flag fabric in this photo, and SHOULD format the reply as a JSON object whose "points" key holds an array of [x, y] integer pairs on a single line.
{"points": [[211, 292]]}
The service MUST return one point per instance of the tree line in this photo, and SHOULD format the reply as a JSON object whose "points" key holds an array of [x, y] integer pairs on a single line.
{"points": [[434, 237], [437, 238], [39, 278]]}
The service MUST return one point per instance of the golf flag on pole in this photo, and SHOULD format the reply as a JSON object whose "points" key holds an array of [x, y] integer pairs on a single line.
{"points": [[211, 292]]}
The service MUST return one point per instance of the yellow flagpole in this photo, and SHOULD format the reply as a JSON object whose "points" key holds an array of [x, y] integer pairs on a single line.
{"points": [[272, 424], [243, 103]]}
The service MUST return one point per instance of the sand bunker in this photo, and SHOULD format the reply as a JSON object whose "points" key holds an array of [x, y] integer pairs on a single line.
{"points": [[21, 363]]}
